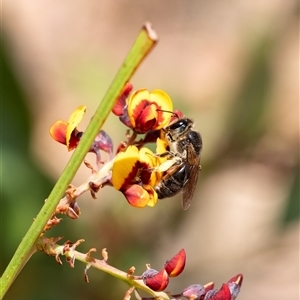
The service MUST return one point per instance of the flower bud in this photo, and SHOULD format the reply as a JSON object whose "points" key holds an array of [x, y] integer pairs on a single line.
{"points": [[194, 291], [156, 281], [176, 264]]}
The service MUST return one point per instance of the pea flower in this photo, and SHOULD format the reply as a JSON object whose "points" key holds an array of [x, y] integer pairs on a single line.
{"points": [[132, 176], [67, 133], [144, 111]]}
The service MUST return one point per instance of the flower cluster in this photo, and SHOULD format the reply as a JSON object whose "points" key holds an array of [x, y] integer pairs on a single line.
{"points": [[228, 291], [135, 171], [159, 280], [143, 112]]}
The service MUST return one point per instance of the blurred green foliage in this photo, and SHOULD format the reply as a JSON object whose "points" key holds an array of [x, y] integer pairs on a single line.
{"points": [[292, 210]]}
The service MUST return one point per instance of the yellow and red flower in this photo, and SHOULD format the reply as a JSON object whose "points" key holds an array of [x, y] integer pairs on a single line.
{"points": [[149, 111], [67, 133], [131, 174], [144, 111]]}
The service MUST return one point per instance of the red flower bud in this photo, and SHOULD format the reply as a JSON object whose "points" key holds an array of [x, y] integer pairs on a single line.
{"points": [[194, 291], [156, 281], [176, 264], [238, 279], [222, 294]]}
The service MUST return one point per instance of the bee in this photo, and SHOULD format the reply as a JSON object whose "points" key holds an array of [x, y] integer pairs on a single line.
{"points": [[183, 164]]}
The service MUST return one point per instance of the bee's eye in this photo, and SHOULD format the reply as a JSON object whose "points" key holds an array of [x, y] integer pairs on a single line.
{"points": [[179, 126]]}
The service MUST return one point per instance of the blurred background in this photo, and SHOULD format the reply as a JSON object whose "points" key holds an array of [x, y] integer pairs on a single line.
{"points": [[232, 66]]}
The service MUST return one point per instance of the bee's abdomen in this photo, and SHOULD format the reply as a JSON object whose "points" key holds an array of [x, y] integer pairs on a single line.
{"points": [[172, 184]]}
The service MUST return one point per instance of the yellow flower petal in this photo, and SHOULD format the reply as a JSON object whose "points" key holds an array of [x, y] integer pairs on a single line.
{"points": [[161, 146], [124, 165], [147, 157], [165, 104], [74, 120], [152, 196], [161, 97]]}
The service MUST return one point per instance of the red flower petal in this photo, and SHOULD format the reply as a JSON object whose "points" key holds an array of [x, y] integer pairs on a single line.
{"points": [[145, 115], [58, 131], [209, 286], [176, 264], [136, 195], [238, 279], [177, 114], [74, 139], [234, 285], [120, 105], [156, 281], [222, 294]]}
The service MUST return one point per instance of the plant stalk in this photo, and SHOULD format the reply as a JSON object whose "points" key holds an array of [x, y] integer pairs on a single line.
{"points": [[145, 41]]}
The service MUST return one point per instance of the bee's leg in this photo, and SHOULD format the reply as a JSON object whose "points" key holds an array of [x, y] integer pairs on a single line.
{"points": [[167, 165], [165, 154]]}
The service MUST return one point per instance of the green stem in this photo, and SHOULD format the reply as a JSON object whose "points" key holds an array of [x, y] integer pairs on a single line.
{"points": [[145, 41], [104, 267], [51, 248]]}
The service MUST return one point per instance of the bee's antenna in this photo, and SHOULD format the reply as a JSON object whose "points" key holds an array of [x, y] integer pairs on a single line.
{"points": [[168, 111]]}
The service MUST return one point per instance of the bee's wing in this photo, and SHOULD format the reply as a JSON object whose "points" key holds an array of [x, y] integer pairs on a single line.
{"points": [[191, 183]]}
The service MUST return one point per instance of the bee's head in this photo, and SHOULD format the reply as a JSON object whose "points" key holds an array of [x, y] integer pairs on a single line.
{"points": [[179, 127]]}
